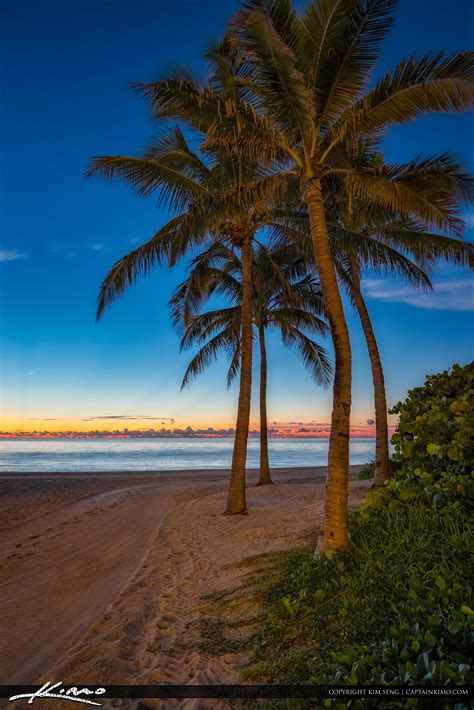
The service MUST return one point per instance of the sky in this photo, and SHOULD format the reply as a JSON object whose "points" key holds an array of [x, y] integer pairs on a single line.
{"points": [[65, 97]]}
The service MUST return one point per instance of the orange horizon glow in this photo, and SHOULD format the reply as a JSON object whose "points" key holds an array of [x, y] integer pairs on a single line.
{"points": [[16, 428]]}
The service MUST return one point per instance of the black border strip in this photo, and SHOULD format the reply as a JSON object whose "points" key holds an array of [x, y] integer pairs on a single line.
{"points": [[99, 693]]}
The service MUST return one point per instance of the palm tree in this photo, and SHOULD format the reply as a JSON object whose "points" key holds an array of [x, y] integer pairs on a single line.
{"points": [[285, 296], [211, 195], [410, 240], [309, 75], [365, 235], [219, 194]]}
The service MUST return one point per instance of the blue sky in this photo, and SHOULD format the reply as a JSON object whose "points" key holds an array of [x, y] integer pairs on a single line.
{"points": [[65, 98]]}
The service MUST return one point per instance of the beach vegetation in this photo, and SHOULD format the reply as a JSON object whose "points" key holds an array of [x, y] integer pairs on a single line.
{"points": [[367, 471], [396, 607]]}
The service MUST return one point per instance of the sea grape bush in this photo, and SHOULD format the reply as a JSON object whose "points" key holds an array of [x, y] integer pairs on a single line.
{"points": [[435, 434]]}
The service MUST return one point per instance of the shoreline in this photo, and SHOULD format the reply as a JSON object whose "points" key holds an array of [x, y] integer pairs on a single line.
{"points": [[109, 585], [167, 471], [28, 495]]}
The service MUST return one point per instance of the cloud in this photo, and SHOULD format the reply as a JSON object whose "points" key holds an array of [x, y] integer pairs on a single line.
{"points": [[452, 295], [97, 247], [125, 416], [11, 255], [469, 219]]}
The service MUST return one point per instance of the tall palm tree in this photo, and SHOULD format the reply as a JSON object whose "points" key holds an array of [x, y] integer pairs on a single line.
{"points": [[364, 235], [309, 73], [285, 296], [451, 184]]}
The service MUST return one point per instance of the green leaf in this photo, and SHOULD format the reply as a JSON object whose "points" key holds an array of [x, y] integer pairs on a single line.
{"points": [[454, 627]]}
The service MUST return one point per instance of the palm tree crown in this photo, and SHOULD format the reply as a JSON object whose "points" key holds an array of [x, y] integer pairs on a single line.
{"points": [[285, 296]]}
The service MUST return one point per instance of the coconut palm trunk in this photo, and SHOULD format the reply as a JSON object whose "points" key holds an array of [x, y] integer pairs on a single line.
{"points": [[265, 477], [334, 532], [236, 502], [382, 471]]}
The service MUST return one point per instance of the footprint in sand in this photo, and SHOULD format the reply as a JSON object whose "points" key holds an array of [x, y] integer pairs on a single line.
{"points": [[168, 633], [170, 616]]}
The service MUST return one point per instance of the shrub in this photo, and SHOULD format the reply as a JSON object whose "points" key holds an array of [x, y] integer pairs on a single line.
{"points": [[436, 424], [367, 471]]}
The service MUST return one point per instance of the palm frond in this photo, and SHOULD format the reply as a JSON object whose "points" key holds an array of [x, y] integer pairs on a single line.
{"points": [[171, 148], [421, 244], [425, 201], [415, 87], [282, 90], [313, 355], [175, 188], [203, 325], [222, 342], [204, 275], [185, 98], [375, 254], [140, 262], [234, 366], [285, 317], [342, 45], [284, 18]]}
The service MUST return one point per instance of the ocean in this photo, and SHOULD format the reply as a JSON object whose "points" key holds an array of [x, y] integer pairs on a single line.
{"points": [[71, 455]]}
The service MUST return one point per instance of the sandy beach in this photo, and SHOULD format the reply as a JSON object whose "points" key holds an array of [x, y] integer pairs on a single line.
{"points": [[110, 577]]}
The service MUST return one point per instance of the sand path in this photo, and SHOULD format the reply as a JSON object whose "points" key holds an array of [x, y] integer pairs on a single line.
{"points": [[121, 586], [60, 570]]}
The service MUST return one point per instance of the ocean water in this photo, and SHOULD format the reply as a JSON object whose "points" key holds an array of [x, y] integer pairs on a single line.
{"points": [[163, 454]]}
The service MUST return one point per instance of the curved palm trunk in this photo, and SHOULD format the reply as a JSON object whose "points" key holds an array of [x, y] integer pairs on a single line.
{"points": [[236, 497], [265, 477], [334, 533], [382, 471]]}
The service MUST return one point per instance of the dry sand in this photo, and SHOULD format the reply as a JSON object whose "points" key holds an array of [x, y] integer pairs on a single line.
{"points": [[122, 578]]}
